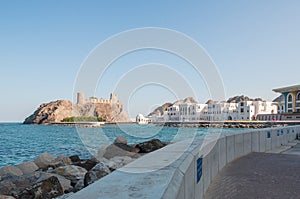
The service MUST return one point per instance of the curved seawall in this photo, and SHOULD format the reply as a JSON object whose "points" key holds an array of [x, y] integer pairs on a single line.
{"points": [[185, 169]]}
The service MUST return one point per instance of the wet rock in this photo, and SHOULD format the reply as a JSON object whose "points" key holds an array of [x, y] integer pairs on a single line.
{"points": [[97, 172], [10, 170], [46, 189], [149, 146], [120, 140], [75, 158], [71, 172], [44, 161], [28, 167]]}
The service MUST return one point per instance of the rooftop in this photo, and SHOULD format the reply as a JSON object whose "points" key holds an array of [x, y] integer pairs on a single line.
{"points": [[287, 89]]}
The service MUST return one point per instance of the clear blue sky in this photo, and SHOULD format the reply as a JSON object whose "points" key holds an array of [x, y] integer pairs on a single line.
{"points": [[255, 45]]}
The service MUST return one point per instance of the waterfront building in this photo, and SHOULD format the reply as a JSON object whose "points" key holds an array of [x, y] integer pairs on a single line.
{"points": [[140, 119], [172, 113], [191, 111], [290, 102], [217, 111]]}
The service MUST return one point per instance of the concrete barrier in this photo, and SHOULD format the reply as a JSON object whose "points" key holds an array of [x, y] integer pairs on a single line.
{"points": [[184, 170]]}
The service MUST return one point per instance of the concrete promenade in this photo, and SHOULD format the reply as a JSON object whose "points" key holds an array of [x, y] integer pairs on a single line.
{"points": [[220, 165], [260, 176]]}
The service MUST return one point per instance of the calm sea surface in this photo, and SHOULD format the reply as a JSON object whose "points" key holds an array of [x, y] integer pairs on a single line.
{"points": [[20, 143]]}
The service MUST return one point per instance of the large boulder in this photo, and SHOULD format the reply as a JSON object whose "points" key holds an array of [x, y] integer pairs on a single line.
{"points": [[32, 185], [74, 158], [120, 139], [79, 185], [127, 147], [62, 160], [118, 162], [149, 146], [101, 151], [87, 164], [97, 172], [114, 150], [13, 185], [71, 172], [65, 183], [44, 161], [46, 189], [10, 170], [28, 167]]}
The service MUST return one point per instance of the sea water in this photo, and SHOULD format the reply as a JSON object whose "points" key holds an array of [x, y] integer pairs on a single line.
{"points": [[20, 143]]}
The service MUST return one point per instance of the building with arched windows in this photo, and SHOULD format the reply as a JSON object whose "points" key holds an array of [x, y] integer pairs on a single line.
{"points": [[291, 102]]}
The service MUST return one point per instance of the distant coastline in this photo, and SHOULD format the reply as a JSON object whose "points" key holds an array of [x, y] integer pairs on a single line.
{"points": [[227, 124]]}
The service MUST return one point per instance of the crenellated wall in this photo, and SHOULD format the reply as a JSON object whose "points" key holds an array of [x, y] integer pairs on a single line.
{"points": [[185, 169]]}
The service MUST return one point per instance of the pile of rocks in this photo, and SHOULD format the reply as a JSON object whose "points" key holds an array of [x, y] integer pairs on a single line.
{"points": [[50, 177]]}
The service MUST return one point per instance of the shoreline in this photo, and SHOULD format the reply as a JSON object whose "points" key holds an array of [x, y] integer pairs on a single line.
{"points": [[188, 124], [50, 177], [227, 124]]}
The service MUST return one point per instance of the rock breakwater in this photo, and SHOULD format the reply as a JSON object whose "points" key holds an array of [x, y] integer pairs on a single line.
{"points": [[50, 177]]}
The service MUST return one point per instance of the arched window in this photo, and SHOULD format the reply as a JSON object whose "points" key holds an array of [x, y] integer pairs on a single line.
{"points": [[290, 103], [290, 98], [298, 102], [298, 96]]}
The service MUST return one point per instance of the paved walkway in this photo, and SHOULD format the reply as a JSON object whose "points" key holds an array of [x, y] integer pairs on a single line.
{"points": [[259, 176]]}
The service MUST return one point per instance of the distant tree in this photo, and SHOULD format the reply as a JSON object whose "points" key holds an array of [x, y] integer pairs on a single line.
{"points": [[81, 119]]}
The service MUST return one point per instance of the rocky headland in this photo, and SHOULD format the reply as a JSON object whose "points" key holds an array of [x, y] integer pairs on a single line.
{"points": [[56, 111], [50, 177]]}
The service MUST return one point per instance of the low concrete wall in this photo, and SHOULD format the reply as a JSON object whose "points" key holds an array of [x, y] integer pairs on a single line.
{"points": [[185, 169]]}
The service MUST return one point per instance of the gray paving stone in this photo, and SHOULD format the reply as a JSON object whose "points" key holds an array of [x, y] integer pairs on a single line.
{"points": [[259, 176]]}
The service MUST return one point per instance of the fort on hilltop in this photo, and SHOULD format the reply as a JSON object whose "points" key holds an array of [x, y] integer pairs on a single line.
{"points": [[94, 100], [109, 110]]}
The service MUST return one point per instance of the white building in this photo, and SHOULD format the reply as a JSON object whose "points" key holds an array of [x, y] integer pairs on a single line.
{"points": [[218, 111], [191, 111], [140, 119], [172, 113]]}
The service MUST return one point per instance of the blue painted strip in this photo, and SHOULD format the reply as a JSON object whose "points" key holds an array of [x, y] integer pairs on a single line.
{"points": [[199, 169], [285, 100]]}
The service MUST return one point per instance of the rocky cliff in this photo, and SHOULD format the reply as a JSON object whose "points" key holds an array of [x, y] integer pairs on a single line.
{"points": [[241, 98], [160, 110], [56, 111]]}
